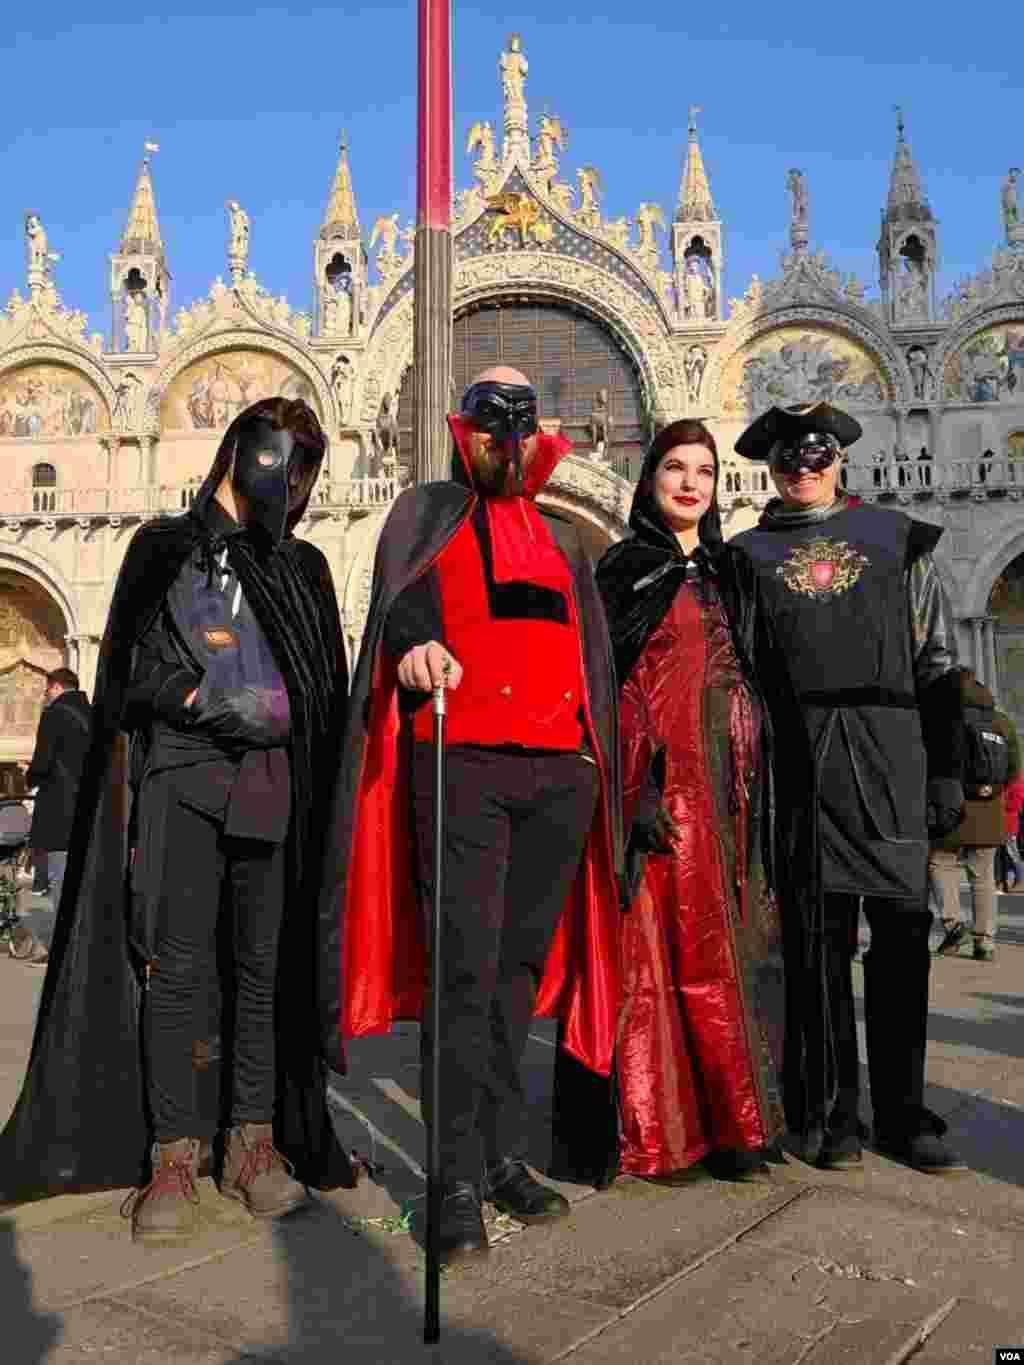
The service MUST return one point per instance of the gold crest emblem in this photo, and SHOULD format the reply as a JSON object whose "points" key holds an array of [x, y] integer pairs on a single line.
{"points": [[822, 568]]}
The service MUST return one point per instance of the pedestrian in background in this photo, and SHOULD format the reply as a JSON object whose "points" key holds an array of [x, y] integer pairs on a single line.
{"points": [[991, 754], [55, 771]]}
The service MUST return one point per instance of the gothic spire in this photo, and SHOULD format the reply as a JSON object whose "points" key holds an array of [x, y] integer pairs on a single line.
{"points": [[341, 218], [906, 193], [695, 202], [142, 232]]}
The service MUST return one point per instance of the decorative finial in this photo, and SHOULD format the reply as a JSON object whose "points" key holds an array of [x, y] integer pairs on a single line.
{"points": [[147, 149], [900, 125], [344, 141], [695, 109]]}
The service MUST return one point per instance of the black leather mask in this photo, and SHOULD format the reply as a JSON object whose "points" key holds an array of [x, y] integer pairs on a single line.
{"points": [[507, 412], [815, 451], [272, 471]]}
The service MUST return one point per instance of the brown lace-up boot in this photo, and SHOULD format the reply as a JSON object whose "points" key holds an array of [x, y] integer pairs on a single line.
{"points": [[167, 1209], [257, 1175]]}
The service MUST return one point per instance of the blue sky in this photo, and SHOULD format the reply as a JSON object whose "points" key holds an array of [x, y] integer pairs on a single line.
{"points": [[247, 103]]}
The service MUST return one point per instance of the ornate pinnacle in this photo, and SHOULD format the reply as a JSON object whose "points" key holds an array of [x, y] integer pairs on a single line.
{"points": [[341, 216], [142, 231], [695, 202]]}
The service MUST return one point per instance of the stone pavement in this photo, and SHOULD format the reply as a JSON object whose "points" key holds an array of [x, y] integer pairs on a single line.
{"points": [[879, 1266]]}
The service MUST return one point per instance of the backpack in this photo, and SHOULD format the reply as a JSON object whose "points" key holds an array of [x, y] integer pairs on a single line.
{"points": [[986, 754]]}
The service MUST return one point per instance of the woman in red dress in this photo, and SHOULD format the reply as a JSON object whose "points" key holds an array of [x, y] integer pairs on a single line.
{"points": [[702, 1007]]}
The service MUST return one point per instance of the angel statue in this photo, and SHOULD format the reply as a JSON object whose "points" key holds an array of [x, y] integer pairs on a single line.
{"points": [[1011, 216], [550, 136], [514, 68], [39, 253], [648, 218], [482, 135], [798, 189], [590, 188], [239, 241], [386, 229]]}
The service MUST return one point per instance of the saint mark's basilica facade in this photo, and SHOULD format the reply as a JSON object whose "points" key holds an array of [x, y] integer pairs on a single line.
{"points": [[621, 324]]}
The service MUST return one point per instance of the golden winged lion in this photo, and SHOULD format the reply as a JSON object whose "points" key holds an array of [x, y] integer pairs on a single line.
{"points": [[517, 213]]}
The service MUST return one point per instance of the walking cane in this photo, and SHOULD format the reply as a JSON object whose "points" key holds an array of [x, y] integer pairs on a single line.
{"points": [[432, 1311]]}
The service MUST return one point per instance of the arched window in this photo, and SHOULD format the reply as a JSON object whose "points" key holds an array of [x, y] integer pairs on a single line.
{"points": [[44, 488], [569, 358]]}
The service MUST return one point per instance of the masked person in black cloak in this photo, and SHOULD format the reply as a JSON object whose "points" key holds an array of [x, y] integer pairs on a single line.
{"points": [[858, 668], [187, 929], [699, 1033]]}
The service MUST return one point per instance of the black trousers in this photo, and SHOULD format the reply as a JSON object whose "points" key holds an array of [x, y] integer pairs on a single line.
{"points": [[515, 829], [896, 971], [220, 913]]}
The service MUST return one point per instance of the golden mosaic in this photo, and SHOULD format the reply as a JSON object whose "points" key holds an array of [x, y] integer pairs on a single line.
{"points": [[801, 365], [49, 401], [989, 368], [210, 393]]}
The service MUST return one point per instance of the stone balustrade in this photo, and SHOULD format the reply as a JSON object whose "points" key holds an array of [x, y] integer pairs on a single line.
{"points": [[64, 504], [738, 483]]}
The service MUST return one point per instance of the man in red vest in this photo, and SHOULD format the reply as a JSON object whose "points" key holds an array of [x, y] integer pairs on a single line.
{"points": [[474, 582]]}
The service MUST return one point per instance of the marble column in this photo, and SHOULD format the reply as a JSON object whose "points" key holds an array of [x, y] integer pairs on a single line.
{"points": [[991, 666], [978, 660]]}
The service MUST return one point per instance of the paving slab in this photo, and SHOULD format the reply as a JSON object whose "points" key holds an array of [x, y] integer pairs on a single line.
{"points": [[750, 1305], [970, 1333], [894, 1239]]}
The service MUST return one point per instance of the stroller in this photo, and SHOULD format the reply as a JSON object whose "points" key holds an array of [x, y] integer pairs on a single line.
{"points": [[15, 823]]}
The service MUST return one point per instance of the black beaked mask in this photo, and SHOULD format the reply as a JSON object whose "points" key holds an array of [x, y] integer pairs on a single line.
{"points": [[268, 463], [506, 412]]}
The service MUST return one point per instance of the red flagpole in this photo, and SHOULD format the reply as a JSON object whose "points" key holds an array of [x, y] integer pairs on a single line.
{"points": [[433, 297], [432, 352]]}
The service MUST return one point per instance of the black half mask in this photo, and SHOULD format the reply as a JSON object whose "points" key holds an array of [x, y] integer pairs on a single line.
{"points": [[273, 471], [506, 412], [815, 451]]}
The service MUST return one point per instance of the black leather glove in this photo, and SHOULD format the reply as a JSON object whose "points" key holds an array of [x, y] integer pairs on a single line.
{"points": [[655, 834], [253, 717], [944, 798]]}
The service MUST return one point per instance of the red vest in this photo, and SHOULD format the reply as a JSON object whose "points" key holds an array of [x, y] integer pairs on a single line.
{"points": [[522, 680]]}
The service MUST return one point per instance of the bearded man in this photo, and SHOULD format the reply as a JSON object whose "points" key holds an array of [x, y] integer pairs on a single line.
{"points": [[475, 585], [858, 666], [192, 920]]}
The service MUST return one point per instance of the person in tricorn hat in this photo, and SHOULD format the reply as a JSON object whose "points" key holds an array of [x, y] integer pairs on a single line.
{"points": [[188, 928], [857, 662]]}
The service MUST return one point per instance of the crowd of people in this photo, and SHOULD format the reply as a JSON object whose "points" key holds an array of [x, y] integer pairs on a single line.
{"points": [[671, 789]]}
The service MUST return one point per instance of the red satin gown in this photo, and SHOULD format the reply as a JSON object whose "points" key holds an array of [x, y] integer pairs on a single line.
{"points": [[700, 1031]]}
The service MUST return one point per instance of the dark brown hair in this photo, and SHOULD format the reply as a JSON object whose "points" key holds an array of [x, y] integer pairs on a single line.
{"points": [[63, 677]]}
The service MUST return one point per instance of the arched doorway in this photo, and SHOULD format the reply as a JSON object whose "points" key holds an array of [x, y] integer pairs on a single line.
{"points": [[570, 358], [32, 631], [1006, 607]]}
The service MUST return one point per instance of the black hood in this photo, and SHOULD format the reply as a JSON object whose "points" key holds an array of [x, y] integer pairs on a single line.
{"points": [[640, 576]]}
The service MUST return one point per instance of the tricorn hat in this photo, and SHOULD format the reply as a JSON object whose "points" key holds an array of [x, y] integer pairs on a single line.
{"points": [[783, 428]]}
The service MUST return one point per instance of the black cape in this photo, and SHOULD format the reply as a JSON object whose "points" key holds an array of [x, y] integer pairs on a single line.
{"points": [[81, 1120], [372, 967]]}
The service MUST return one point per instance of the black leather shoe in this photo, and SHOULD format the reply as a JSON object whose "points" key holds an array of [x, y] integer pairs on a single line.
{"points": [[463, 1236], [511, 1188], [924, 1151], [841, 1152], [731, 1163], [918, 1142]]}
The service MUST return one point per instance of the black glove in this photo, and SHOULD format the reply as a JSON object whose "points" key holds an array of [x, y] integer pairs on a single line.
{"points": [[253, 717], [655, 834], [944, 798]]}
